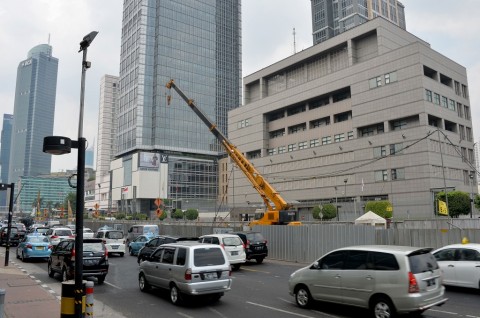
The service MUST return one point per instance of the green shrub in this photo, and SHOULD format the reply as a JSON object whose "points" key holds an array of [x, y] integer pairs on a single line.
{"points": [[379, 208], [458, 203], [329, 211], [177, 214], [191, 214]]}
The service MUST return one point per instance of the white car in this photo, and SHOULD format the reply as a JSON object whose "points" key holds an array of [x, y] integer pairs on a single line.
{"points": [[56, 234], [114, 241], [88, 233], [232, 244], [460, 264]]}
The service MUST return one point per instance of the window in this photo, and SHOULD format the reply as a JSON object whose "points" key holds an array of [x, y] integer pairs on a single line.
{"points": [[326, 140], [445, 255], [297, 128], [242, 123], [282, 149], [451, 105], [464, 91], [466, 111], [168, 254], [444, 102], [314, 143], [292, 147], [381, 175], [333, 260], [428, 95], [320, 122], [390, 77], [398, 174], [277, 133], [399, 124], [379, 152], [436, 99], [350, 135], [296, 110], [181, 256], [356, 260], [375, 82], [383, 261], [396, 149], [339, 137], [302, 145], [272, 151]]}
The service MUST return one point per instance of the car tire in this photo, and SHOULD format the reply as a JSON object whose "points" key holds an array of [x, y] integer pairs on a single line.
{"points": [[236, 267], [23, 257], [142, 283], [101, 279], [259, 260], [50, 271], [175, 295], [122, 254], [382, 307], [215, 297], [16, 253], [130, 251], [303, 298]]}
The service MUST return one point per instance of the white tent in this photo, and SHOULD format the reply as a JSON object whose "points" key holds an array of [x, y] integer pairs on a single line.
{"points": [[371, 218]]}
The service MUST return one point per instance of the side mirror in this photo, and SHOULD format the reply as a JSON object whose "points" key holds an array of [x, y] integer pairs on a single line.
{"points": [[315, 265]]}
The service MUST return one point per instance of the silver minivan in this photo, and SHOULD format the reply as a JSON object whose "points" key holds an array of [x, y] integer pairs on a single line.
{"points": [[383, 278], [187, 268]]}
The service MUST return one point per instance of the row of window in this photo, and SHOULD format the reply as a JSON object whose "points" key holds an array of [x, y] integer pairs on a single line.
{"points": [[313, 143], [460, 89], [463, 111], [383, 79], [395, 174]]}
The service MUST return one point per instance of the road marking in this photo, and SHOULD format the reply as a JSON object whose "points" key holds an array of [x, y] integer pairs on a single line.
{"points": [[184, 315], [217, 312], [254, 270], [112, 285], [280, 310], [471, 316], [445, 312]]}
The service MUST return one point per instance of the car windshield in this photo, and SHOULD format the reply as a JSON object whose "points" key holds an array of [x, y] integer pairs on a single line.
{"points": [[208, 257], [114, 235], [232, 241], [63, 232]]}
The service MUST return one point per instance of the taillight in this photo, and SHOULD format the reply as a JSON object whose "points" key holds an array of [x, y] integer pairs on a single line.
{"points": [[104, 241], [248, 244], [188, 274], [412, 283], [54, 236], [265, 242], [223, 246], [50, 247], [29, 246], [106, 254], [73, 255]]}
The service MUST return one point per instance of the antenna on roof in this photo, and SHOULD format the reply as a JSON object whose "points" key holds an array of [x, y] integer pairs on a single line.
{"points": [[294, 44]]}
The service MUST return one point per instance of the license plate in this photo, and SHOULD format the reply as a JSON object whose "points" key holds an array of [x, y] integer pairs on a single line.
{"points": [[258, 247], [115, 247], [40, 248], [234, 253], [431, 282], [210, 275]]}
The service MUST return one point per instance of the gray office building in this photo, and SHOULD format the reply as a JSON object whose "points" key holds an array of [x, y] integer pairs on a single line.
{"points": [[33, 113], [332, 17], [373, 113], [198, 44], [5, 145]]}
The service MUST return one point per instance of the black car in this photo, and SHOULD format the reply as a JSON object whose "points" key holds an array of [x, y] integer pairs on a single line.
{"points": [[15, 236], [255, 245], [95, 259], [155, 242]]}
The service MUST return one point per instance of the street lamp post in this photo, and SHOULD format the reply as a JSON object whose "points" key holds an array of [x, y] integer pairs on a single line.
{"points": [[57, 145], [472, 179], [345, 194], [5, 186]]}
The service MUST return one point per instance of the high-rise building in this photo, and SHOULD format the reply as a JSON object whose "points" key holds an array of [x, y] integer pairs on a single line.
{"points": [[33, 113], [107, 127], [353, 120], [198, 44], [5, 145], [332, 17], [89, 156]]}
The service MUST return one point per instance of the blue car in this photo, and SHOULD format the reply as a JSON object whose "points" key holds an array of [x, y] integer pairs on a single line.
{"points": [[138, 243], [34, 246]]}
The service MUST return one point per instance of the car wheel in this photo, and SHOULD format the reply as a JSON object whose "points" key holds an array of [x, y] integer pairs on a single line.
{"points": [[236, 267], [142, 283], [64, 274], [303, 297], [50, 271], [215, 297], [101, 279], [23, 257], [260, 260], [121, 254], [130, 251], [382, 307], [17, 254], [175, 295]]}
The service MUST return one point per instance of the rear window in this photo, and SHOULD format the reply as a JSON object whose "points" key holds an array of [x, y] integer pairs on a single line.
{"points": [[37, 239], [208, 256], [63, 232], [92, 247], [232, 241], [114, 235], [255, 237], [422, 262]]}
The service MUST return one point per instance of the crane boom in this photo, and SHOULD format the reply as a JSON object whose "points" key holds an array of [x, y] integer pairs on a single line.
{"points": [[277, 209]]}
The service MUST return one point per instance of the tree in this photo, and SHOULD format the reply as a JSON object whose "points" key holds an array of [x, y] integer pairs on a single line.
{"points": [[380, 208], [317, 212], [177, 214], [72, 197], [458, 203], [476, 201], [191, 214], [163, 215], [329, 211]]}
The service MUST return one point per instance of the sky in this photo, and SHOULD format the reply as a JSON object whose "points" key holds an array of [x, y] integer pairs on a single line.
{"points": [[451, 27]]}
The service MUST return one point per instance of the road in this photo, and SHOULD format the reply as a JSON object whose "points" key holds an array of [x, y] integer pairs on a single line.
{"points": [[259, 290]]}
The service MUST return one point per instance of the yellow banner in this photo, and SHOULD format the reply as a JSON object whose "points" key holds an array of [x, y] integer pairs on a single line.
{"points": [[442, 208]]}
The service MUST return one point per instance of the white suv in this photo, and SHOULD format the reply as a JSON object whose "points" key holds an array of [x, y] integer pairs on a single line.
{"points": [[114, 241], [231, 243], [56, 234]]}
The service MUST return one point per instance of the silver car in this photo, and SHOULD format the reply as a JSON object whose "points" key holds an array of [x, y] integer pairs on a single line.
{"points": [[385, 279], [187, 268]]}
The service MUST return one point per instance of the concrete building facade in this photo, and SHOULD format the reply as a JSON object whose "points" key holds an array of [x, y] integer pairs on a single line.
{"points": [[5, 146], [162, 150], [373, 113]]}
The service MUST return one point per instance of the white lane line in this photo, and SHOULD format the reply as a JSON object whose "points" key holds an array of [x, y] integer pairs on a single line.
{"points": [[280, 310], [217, 312], [112, 285], [184, 315], [470, 316], [315, 311], [445, 312]]}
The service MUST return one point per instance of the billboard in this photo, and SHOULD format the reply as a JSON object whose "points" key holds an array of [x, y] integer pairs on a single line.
{"points": [[149, 160]]}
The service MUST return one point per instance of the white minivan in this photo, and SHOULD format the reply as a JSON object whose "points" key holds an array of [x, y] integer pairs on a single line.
{"points": [[232, 244], [114, 241]]}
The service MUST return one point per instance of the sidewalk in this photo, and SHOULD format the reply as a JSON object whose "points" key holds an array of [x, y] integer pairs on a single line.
{"points": [[26, 297]]}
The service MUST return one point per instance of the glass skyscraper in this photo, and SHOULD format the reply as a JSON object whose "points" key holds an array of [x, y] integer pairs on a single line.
{"points": [[33, 113], [197, 43], [5, 146], [332, 17]]}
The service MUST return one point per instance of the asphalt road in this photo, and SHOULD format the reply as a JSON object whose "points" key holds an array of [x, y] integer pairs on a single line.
{"points": [[259, 290]]}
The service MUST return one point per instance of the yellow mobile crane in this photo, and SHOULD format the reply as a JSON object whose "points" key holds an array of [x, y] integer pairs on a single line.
{"points": [[278, 211]]}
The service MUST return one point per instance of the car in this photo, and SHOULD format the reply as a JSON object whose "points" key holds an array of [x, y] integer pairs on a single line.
{"points": [[34, 246], [56, 234], [255, 245], [114, 240], [231, 243], [88, 233], [40, 230], [14, 236], [155, 242], [385, 279], [95, 260], [135, 246], [460, 264], [141, 229], [187, 268]]}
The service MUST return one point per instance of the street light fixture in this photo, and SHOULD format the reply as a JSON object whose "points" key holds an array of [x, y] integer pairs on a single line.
{"points": [[57, 145]]}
